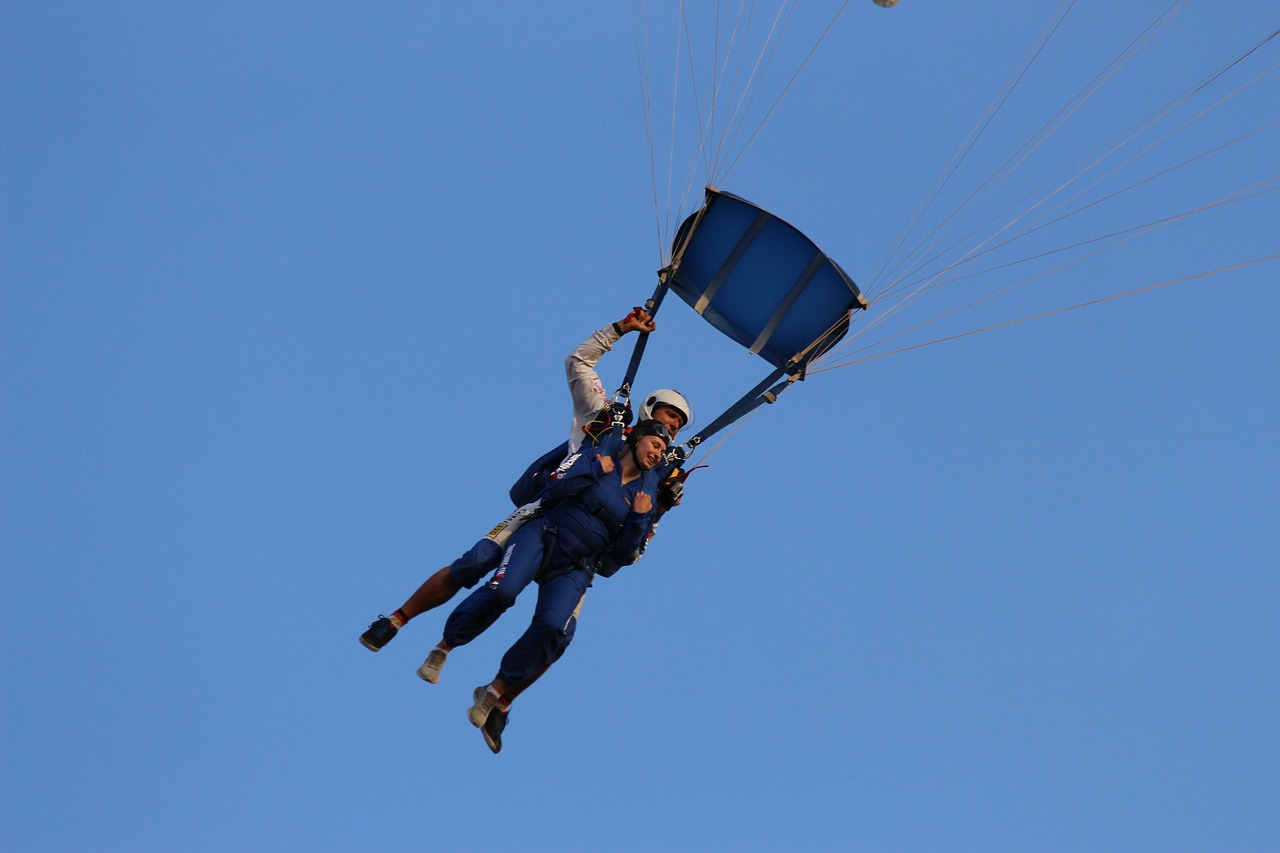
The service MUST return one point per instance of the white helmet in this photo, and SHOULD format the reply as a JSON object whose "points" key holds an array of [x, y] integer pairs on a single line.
{"points": [[667, 397]]}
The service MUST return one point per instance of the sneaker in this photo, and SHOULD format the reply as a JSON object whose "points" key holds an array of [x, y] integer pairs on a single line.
{"points": [[430, 669], [484, 699], [492, 729], [378, 635]]}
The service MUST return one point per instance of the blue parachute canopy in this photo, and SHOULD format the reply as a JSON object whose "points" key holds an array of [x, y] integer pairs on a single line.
{"points": [[761, 282]]}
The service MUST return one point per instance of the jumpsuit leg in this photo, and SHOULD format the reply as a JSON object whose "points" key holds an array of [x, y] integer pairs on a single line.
{"points": [[554, 621], [482, 558], [511, 691], [520, 564]]}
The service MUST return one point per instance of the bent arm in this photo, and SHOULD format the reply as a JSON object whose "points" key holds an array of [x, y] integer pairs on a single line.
{"points": [[629, 545], [575, 475], [588, 393]]}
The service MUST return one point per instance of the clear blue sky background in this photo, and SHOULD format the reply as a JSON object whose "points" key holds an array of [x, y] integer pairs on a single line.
{"points": [[287, 287]]}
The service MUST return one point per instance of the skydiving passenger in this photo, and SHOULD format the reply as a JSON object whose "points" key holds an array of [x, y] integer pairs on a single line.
{"points": [[672, 414], [599, 505]]}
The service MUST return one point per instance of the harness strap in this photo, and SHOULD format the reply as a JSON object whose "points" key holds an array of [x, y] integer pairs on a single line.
{"points": [[749, 402], [602, 513], [550, 536]]}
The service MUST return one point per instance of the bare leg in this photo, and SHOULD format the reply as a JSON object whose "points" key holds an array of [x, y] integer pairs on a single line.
{"points": [[509, 694], [435, 590]]}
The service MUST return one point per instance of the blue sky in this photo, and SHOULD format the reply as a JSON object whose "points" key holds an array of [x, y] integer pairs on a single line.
{"points": [[287, 288]]}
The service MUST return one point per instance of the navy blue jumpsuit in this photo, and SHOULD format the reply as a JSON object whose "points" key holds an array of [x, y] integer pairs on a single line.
{"points": [[586, 517]]}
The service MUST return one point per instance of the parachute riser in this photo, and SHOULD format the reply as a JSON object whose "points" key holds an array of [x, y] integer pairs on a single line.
{"points": [[665, 275], [621, 406], [752, 400]]}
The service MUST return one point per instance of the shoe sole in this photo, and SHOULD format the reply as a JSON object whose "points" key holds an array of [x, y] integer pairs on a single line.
{"points": [[370, 646], [495, 746]]}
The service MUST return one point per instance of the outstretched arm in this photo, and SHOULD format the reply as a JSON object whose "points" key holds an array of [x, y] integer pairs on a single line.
{"points": [[589, 395]]}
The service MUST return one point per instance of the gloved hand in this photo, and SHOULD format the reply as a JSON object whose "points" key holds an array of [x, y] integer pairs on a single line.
{"points": [[670, 492]]}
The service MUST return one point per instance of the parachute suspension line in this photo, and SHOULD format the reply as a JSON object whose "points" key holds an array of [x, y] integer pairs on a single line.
{"points": [[1037, 139], [1134, 232], [1147, 288], [957, 159], [713, 129], [661, 211], [641, 30], [1241, 58], [1141, 230], [1127, 136], [723, 112], [1149, 179], [1042, 220], [724, 104], [1175, 131], [785, 90], [1001, 291], [933, 282], [1040, 136], [1250, 192], [712, 125], [737, 116], [622, 396], [1043, 223], [682, 30], [678, 252], [1145, 151], [698, 153], [706, 118], [1258, 189], [724, 61]]}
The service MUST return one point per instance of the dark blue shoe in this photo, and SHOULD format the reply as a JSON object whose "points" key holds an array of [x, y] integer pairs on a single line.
{"points": [[378, 635], [492, 729]]}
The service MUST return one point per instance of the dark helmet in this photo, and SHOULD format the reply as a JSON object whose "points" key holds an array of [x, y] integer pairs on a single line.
{"points": [[645, 427]]}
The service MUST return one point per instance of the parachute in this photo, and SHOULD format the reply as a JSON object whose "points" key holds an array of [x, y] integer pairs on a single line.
{"points": [[762, 283]]}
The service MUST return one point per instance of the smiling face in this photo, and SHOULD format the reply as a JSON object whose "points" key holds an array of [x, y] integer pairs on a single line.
{"points": [[669, 417], [649, 451]]}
